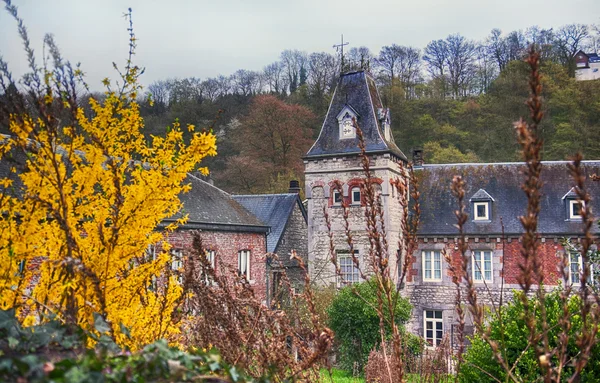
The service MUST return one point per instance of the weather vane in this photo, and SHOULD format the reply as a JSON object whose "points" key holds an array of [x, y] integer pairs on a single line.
{"points": [[340, 48]]}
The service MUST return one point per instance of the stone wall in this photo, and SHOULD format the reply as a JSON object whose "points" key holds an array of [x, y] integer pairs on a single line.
{"points": [[319, 180], [226, 245], [295, 237], [441, 295]]}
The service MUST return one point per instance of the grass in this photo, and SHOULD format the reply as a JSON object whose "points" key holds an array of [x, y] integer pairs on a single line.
{"points": [[339, 376]]}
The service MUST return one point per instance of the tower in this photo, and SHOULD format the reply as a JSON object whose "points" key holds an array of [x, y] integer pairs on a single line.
{"points": [[334, 157]]}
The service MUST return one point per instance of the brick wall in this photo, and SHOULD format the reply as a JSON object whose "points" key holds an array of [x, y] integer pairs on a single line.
{"points": [[440, 295], [226, 246]]}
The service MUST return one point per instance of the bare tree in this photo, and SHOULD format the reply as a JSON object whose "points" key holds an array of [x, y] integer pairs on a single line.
{"points": [[543, 40], [460, 62], [322, 74], [387, 61], [246, 82], [409, 69], [360, 58], [160, 91], [436, 56], [294, 62], [569, 40], [274, 77], [210, 88], [496, 48]]}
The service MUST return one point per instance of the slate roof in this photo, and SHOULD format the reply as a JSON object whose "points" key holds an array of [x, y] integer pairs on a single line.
{"points": [[503, 182], [273, 209], [210, 208], [358, 91]]}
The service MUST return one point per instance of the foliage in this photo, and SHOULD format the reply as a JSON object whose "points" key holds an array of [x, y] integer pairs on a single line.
{"points": [[272, 138], [82, 198], [339, 376], [223, 311], [53, 352], [510, 330], [355, 322]]}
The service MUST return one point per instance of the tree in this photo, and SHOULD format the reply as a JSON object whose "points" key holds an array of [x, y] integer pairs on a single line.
{"points": [[82, 195], [294, 63], [436, 56], [355, 322], [460, 63], [569, 39]]}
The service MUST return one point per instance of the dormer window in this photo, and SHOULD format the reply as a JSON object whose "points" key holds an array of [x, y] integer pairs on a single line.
{"points": [[573, 205], [482, 211], [346, 119], [481, 204], [575, 208]]}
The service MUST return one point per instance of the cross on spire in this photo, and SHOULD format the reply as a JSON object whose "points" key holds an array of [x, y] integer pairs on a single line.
{"points": [[340, 48]]}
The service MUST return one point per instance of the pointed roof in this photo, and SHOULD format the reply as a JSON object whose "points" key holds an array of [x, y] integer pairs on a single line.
{"points": [[274, 210], [481, 195], [356, 91]]}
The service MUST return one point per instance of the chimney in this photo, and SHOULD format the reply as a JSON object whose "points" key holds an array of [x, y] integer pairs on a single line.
{"points": [[294, 187], [418, 157]]}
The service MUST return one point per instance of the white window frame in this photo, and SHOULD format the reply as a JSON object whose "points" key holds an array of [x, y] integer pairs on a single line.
{"points": [[176, 259], [349, 271], [435, 340], [352, 191], [485, 217], [575, 278], [333, 194], [211, 257], [428, 257], [481, 269], [572, 203], [244, 260]]}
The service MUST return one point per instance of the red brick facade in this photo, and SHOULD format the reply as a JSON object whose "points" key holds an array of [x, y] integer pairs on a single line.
{"points": [[226, 245], [550, 253]]}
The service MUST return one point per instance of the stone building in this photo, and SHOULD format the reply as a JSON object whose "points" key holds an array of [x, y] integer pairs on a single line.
{"points": [[493, 194], [334, 158], [287, 219]]}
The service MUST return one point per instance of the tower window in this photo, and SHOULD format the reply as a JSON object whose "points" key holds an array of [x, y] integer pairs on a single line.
{"points": [[575, 208], [356, 196], [482, 211]]}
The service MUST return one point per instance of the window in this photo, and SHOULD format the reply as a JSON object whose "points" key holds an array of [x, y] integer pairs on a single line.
{"points": [[176, 259], [482, 266], [434, 327], [337, 197], [177, 263], [356, 196], [432, 265], [575, 207], [481, 211], [210, 257], [575, 267], [244, 263], [348, 269]]}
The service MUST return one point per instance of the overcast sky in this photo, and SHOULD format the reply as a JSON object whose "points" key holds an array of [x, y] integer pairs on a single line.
{"points": [[207, 38]]}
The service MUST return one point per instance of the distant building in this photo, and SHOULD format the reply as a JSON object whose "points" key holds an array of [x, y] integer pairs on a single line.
{"points": [[494, 202], [587, 66]]}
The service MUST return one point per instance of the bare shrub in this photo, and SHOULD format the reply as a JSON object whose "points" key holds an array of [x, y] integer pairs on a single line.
{"points": [[223, 312]]}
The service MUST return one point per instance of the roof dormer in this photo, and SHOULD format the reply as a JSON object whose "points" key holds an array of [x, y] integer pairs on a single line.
{"points": [[573, 205], [481, 205], [345, 120]]}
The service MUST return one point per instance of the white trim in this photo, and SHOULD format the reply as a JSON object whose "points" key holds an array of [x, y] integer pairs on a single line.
{"points": [[486, 217], [579, 267], [325, 120], [482, 266], [569, 192], [435, 341], [354, 273], [432, 253], [573, 202], [333, 201], [355, 188], [244, 261]]}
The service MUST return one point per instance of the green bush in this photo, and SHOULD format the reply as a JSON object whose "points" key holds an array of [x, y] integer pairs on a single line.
{"points": [[511, 333], [356, 324], [52, 352]]}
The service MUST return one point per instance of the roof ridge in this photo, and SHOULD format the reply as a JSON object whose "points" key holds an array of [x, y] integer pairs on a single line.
{"points": [[209, 184], [263, 195], [507, 163]]}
